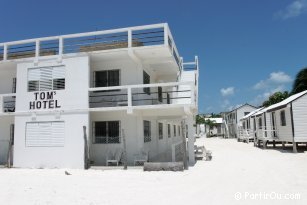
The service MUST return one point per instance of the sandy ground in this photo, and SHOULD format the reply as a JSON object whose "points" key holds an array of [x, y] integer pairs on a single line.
{"points": [[253, 175]]}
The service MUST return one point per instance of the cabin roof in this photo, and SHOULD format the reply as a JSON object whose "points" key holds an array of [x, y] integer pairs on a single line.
{"points": [[246, 104], [285, 102], [281, 104], [252, 113]]}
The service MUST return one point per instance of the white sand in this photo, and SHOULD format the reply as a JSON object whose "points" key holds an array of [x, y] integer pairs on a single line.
{"points": [[236, 167]]}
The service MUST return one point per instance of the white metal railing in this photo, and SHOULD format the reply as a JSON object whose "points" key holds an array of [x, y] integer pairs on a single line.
{"points": [[156, 34], [7, 103], [175, 93]]}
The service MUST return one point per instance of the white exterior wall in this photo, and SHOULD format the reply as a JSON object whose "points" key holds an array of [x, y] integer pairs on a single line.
{"points": [[300, 119], [75, 96], [6, 79], [284, 133], [158, 149]]}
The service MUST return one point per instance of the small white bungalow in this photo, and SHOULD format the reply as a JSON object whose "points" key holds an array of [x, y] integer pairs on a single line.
{"points": [[216, 130], [248, 128], [233, 117], [283, 122], [289, 119]]}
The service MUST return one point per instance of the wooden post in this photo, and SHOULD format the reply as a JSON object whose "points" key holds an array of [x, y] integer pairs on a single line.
{"points": [[86, 153], [283, 145], [294, 147], [9, 153], [274, 144], [185, 159], [125, 150]]}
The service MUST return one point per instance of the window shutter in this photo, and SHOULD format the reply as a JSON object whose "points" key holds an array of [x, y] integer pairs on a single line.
{"points": [[45, 79], [45, 134]]}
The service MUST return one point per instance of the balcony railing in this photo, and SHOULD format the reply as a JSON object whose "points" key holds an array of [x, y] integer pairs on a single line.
{"points": [[7, 103], [140, 36], [176, 93]]}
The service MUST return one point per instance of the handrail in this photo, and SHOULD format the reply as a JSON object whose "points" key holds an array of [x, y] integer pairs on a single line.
{"points": [[142, 86]]}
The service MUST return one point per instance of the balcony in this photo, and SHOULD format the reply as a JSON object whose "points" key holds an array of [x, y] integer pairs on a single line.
{"points": [[91, 42], [144, 96]]}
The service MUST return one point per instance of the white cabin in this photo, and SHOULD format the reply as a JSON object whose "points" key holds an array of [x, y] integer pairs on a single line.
{"points": [[248, 127], [71, 97], [233, 117], [283, 122]]}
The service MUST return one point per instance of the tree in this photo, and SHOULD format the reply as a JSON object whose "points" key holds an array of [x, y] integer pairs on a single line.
{"points": [[276, 98], [210, 124], [300, 83]]}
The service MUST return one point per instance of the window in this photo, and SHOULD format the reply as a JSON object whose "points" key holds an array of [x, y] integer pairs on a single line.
{"points": [[106, 132], [243, 125], [283, 118], [45, 134], [246, 113], [175, 131], [178, 130], [168, 130], [260, 123], [146, 80], [160, 130], [106, 78], [46, 78], [147, 131]]}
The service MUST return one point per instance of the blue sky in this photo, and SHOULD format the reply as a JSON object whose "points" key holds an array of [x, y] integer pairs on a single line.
{"points": [[247, 49]]}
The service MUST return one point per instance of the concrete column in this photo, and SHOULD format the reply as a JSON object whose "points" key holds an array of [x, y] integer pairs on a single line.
{"points": [[191, 138]]}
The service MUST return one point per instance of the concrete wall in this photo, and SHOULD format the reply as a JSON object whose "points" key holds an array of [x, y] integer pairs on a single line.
{"points": [[75, 96], [158, 149]]}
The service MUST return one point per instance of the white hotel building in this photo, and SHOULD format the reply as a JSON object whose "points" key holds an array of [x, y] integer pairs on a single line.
{"points": [[63, 95]]}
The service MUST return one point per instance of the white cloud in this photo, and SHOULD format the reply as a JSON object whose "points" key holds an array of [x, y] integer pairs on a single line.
{"points": [[280, 77], [227, 91], [259, 99], [295, 9], [275, 80]]}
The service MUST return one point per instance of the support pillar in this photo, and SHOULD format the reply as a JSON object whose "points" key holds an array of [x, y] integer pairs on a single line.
{"points": [[294, 147], [191, 139]]}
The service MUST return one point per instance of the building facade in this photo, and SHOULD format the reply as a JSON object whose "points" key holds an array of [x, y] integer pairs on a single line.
{"points": [[71, 97]]}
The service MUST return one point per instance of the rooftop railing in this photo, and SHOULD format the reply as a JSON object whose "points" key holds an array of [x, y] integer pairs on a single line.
{"points": [[140, 36]]}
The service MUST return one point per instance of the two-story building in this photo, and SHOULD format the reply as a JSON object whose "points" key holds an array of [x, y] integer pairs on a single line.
{"points": [[71, 97]]}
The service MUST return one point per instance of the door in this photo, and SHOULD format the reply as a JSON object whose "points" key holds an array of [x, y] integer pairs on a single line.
{"points": [[274, 124]]}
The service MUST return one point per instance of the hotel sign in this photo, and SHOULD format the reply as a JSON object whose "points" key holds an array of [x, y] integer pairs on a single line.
{"points": [[44, 100]]}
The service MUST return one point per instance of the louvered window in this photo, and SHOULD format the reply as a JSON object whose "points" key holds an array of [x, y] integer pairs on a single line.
{"points": [[45, 134], [46, 78]]}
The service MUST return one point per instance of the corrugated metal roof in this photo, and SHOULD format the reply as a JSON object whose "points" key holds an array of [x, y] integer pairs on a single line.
{"points": [[252, 113], [286, 101], [282, 103]]}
